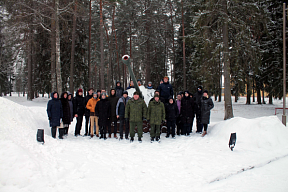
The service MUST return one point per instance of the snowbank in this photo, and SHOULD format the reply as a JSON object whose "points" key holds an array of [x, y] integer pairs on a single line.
{"points": [[184, 164]]}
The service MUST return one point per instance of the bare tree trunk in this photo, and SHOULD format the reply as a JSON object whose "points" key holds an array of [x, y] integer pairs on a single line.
{"points": [[30, 94], [173, 47], [53, 50], [263, 96], [226, 67], [184, 56], [89, 48], [253, 90], [270, 99], [248, 99], [58, 61], [73, 49], [96, 70], [116, 44], [101, 47]]}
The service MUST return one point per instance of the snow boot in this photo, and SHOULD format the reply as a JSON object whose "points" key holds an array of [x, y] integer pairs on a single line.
{"points": [[97, 135], [152, 139], [204, 133], [132, 139], [121, 138], [158, 139], [115, 136], [139, 139], [109, 136], [167, 136], [126, 137]]}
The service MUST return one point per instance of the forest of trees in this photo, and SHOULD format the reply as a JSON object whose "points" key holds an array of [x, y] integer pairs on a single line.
{"points": [[48, 45]]}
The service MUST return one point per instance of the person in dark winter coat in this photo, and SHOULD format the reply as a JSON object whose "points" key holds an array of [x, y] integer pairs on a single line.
{"points": [[54, 112], [131, 85], [197, 100], [119, 89], [79, 110], [149, 86], [172, 113], [103, 112], [166, 90], [66, 113], [87, 112], [178, 120], [187, 113], [70, 101], [113, 118], [120, 112], [155, 116], [206, 106], [135, 111]]}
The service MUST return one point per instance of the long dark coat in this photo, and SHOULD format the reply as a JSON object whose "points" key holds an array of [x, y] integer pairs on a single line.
{"points": [[113, 103], [54, 111], [172, 111], [119, 90], [187, 110], [79, 105], [103, 112], [71, 107], [206, 105], [66, 109], [87, 111]]}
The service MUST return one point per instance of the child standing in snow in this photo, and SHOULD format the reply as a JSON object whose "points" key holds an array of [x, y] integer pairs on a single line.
{"points": [[55, 113], [206, 106]]}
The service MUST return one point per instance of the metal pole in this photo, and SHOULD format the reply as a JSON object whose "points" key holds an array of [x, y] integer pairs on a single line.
{"points": [[284, 65]]}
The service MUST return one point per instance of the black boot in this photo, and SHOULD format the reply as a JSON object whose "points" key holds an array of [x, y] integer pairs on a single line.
{"points": [[61, 133], [152, 139], [126, 137], [53, 132], [139, 139], [158, 139], [131, 139]]}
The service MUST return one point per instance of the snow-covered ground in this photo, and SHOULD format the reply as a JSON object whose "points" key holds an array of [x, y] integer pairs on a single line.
{"points": [[259, 161]]}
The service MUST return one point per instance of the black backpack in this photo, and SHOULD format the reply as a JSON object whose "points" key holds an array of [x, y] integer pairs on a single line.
{"points": [[40, 135]]}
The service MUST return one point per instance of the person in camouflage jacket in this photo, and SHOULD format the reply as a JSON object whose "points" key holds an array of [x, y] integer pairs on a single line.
{"points": [[155, 116], [135, 111]]}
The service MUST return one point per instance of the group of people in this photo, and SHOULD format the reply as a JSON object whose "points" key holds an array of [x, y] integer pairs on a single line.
{"points": [[101, 111]]}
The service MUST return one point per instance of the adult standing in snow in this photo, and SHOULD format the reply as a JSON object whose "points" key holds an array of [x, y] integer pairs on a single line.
{"points": [[135, 111], [93, 118], [187, 112], [54, 112], [113, 103], [157, 92], [103, 112], [178, 121], [155, 116], [99, 94], [131, 85], [149, 85], [206, 106], [119, 89], [79, 110], [120, 112], [166, 90], [70, 101], [172, 113], [87, 112], [197, 100], [66, 114]]}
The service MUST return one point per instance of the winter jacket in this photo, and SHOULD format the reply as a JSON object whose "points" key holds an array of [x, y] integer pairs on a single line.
{"points": [[113, 103], [166, 90], [206, 106], [136, 110], [120, 108], [119, 90], [172, 111], [91, 105], [79, 105], [187, 110], [197, 100], [129, 87], [66, 109], [156, 112], [103, 112], [71, 107], [54, 111], [87, 98]]}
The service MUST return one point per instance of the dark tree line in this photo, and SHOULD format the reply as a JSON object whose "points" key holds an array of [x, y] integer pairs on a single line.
{"points": [[64, 45]]}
